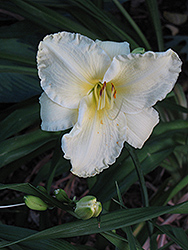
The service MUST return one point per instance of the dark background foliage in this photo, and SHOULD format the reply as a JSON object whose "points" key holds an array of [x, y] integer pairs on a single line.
{"points": [[29, 155]]}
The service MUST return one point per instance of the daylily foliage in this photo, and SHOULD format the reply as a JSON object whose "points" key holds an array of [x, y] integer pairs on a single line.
{"points": [[104, 92]]}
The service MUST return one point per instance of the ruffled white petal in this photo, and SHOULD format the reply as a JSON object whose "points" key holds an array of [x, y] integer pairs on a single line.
{"points": [[114, 48], [143, 79], [69, 65], [95, 141], [140, 126], [55, 117]]}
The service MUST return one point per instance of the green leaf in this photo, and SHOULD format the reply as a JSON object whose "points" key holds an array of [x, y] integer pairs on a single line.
{"points": [[62, 166], [16, 50], [151, 155], [140, 175], [178, 41], [29, 189], [14, 165], [24, 32], [18, 69], [154, 15], [106, 21], [179, 186], [117, 240], [20, 146], [12, 233], [18, 74], [17, 87], [169, 128], [177, 235], [19, 119], [49, 19], [127, 230], [133, 24], [114, 220], [57, 157], [172, 106]]}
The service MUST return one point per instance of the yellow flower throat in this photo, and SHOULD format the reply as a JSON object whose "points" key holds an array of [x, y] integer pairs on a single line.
{"points": [[104, 95]]}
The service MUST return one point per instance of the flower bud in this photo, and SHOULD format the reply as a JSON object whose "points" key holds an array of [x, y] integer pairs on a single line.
{"points": [[43, 189], [35, 203], [138, 51], [88, 207], [61, 195]]}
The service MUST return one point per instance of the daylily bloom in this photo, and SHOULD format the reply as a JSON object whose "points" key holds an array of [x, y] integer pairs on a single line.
{"points": [[104, 92]]}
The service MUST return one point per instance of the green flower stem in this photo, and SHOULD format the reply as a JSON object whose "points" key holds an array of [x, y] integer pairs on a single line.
{"points": [[54, 163], [144, 193], [140, 174], [128, 229]]}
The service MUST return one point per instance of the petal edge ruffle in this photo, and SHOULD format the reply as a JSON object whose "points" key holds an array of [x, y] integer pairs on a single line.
{"points": [[69, 65], [95, 141], [143, 79]]}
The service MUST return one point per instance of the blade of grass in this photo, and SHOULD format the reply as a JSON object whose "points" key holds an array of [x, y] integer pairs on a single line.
{"points": [[12, 233], [117, 240], [16, 50], [54, 163], [154, 14], [128, 231], [99, 3], [30, 189], [177, 188], [137, 165], [103, 18], [171, 232], [151, 156], [18, 69], [19, 119], [141, 179], [17, 87], [172, 106], [51, 20], [133, 24], [19, 146], [114, 220]]}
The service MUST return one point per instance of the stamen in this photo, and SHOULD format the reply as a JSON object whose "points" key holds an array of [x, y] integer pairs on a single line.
{"points": [[100, 93], [104, 96], [114, 95], [112, 88]]}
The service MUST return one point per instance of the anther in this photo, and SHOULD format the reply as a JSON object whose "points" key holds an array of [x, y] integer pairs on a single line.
{"points": [[113, 90], [114, 95], [112, 87]]}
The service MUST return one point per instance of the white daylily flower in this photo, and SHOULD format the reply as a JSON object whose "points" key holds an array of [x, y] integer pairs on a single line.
{"points": [[104, 92]]}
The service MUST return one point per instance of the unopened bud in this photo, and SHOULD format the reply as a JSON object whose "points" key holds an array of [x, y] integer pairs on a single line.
{"points": [[43, 189], [35, 203], [61, 195], [138, 51], [88, 207]]}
